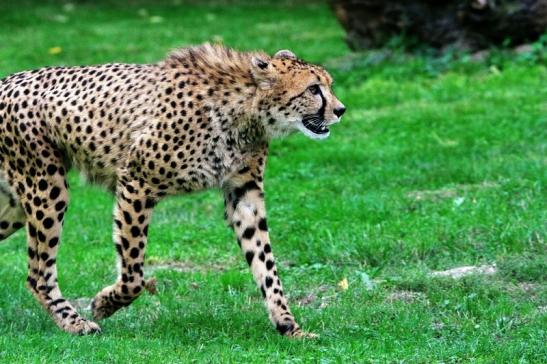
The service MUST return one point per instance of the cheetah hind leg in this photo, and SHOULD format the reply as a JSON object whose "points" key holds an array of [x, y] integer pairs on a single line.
{"points": [[12, 216]]}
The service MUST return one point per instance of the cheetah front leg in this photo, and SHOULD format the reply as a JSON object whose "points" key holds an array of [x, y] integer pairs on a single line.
{"points": [[245, 212], [131, 218]]}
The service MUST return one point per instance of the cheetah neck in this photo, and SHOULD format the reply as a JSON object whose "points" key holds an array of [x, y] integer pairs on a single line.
{"points": [[221, 84]]}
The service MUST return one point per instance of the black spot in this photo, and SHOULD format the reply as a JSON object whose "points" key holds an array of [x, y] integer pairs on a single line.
{"points": [[51, 169], [125, 243], [262, 225], [249, 256], [127, 217], [284, 328], [60, 206], [261, 64], [249, 233], [57, 301], [244, 170], [54, 193], [17, 225], [42, 185], [137, 205], [50, 262], [53, 242], [269, 264], [31, 230], [48, 222], [269, 282], [134, 253], [135, 231], [267, 248]]}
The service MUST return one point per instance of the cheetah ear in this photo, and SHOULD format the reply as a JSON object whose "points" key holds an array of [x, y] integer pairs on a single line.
{"points": [[285, 54], [262, 72]]}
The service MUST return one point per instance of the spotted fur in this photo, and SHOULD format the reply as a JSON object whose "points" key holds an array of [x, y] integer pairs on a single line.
{"points": [[202, 118]]}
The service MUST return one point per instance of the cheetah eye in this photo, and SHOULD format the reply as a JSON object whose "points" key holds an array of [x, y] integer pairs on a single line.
{"points": [[314, 89]]}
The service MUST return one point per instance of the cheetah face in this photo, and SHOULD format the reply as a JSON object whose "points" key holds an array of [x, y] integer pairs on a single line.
{"points": [[295, 96]]}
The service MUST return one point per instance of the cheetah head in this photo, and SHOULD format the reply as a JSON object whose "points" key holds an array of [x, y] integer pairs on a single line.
{"points": [[293, 95]]}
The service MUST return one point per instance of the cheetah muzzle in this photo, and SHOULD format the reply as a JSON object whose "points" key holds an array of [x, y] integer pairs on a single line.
{"points": [[201, 118], [316, 125]]}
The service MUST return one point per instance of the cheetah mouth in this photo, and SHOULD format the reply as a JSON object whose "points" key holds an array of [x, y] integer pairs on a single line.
{"points": [[314, 127]]}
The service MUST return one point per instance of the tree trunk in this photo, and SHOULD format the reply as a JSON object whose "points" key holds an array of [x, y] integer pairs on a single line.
{"points": [[461, 24]]}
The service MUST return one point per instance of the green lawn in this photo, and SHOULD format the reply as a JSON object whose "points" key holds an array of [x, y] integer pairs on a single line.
{"points": [[439, 163]]}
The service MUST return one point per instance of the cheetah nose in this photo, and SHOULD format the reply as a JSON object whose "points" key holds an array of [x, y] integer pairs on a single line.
{"points": [[339, 111]]}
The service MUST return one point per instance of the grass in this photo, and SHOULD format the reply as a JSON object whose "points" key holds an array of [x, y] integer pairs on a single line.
{"points": [[439, 163]]}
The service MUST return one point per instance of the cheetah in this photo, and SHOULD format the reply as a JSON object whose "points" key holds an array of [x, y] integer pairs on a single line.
{"points": [[201, 118]]}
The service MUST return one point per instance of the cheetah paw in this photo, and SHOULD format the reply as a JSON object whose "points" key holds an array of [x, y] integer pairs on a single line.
{"points": [[299, 334], [102, 306], [303, 335], [80, 326], [291, 329]]}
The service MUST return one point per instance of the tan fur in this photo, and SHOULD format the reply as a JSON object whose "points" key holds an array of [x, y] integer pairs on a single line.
{"points": [[201, 118]]}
